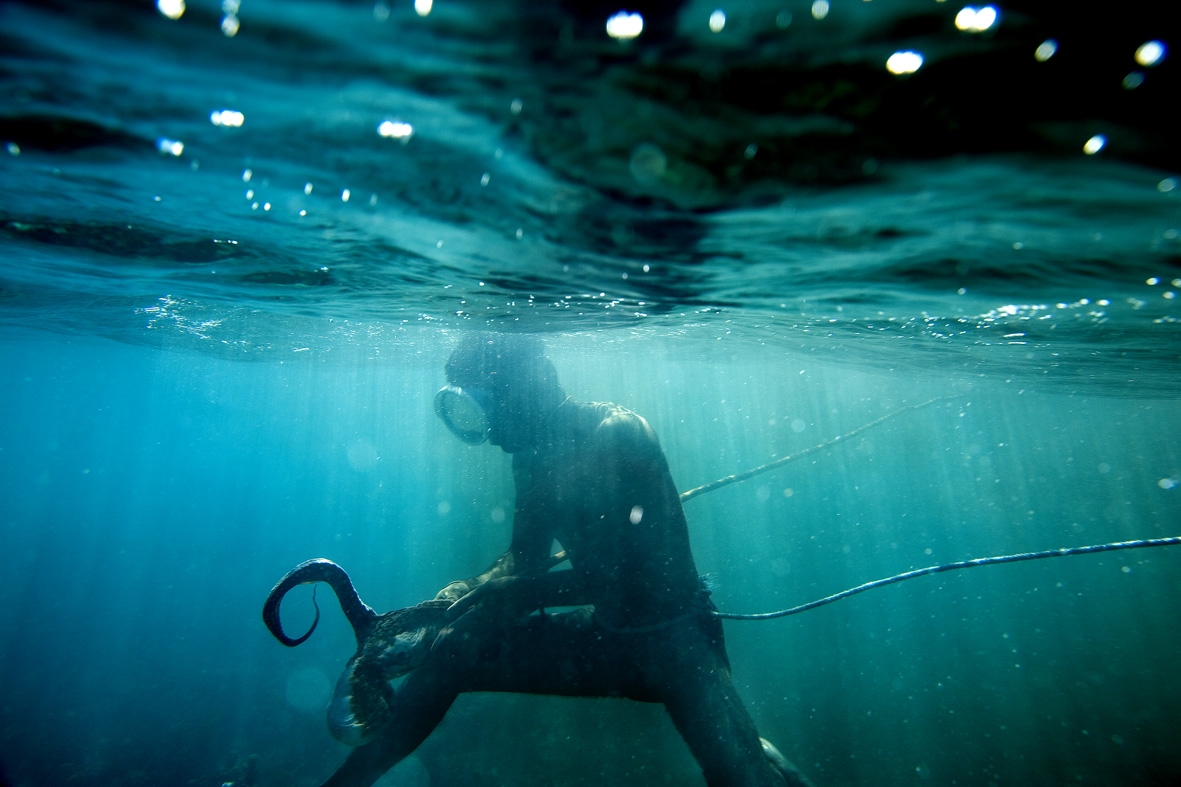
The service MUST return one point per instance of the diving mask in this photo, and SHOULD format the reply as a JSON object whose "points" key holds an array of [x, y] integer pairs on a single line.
{"points": [[463, 411]]}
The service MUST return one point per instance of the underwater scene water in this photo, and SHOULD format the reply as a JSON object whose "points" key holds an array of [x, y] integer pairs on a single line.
{"points": [[239, 240]]}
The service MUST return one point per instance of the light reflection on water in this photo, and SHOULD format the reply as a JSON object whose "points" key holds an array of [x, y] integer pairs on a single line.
{"points": [[530, 197]]}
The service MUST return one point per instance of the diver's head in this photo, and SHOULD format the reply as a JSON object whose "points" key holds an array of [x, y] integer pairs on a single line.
{"points": [[502, 389]]}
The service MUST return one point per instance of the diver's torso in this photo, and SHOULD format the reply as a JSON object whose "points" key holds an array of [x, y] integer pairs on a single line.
{"points": [[603, 488]]}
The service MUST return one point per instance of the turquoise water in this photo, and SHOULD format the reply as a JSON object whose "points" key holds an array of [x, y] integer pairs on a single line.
{"points": [[215, 367]]}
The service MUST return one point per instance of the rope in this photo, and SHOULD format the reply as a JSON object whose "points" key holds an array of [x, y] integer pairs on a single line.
{"points": [[980, 561], [734, 479]]}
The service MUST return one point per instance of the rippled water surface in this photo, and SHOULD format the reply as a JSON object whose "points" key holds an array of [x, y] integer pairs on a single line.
{"points": [[237, 246], [546, 177]]}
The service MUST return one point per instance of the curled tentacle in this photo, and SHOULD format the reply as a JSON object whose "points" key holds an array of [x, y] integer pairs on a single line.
{"points": [[360, 616]]}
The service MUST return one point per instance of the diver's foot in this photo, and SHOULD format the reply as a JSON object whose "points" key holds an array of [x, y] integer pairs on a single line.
{"points": [[790, 772]]}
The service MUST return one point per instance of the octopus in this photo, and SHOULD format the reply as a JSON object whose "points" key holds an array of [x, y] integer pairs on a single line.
{"points": [[389, 646]]}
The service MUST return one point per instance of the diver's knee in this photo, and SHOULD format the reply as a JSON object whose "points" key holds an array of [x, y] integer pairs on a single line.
{"points": [[790, 773]]}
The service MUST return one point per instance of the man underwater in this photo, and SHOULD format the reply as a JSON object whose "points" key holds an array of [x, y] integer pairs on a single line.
{"points": [[594, 478]]}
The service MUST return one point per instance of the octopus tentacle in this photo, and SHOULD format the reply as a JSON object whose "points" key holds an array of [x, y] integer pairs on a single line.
{"points": [[359, 614]]}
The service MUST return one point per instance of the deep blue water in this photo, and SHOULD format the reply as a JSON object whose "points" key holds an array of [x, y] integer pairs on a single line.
{"points": [[213, 366]]}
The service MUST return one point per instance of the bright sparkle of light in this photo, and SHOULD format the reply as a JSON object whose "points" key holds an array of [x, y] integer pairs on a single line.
{"points": [[976, 20], [227, 117], [820, 9], [624, 26], [1151, 53], [172, 147], [904, 62], [1166, 185], [230, 25], [1094, 144], [344, 195], [717, 20], [395, 129], [173, 9], [423, 7], [1045, 50]]}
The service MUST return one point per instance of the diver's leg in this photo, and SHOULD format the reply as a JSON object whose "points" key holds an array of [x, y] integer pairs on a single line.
{"points": [[688, 665], [565, 654]]}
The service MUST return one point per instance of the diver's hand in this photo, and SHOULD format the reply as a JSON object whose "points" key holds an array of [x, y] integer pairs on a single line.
{"points": [[499, 598], [490, 606], [454, 592]]}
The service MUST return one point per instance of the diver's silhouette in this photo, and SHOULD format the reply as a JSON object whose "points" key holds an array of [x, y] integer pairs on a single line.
{"points": [[594, 478]]}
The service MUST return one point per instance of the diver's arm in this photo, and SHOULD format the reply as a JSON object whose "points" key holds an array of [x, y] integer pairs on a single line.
{"points": [[528, 554], [516, 584], [503, 566], [501, 600]]}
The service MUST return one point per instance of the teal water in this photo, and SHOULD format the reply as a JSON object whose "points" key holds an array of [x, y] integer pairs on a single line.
{"points": [[200, 392]]}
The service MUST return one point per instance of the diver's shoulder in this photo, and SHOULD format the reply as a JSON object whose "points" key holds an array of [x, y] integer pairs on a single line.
{"points": [[619, 426]]}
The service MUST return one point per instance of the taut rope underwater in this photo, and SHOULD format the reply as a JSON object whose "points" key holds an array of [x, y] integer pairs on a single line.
{"points": [[744, 475], [918, 572], [980, 561]]}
